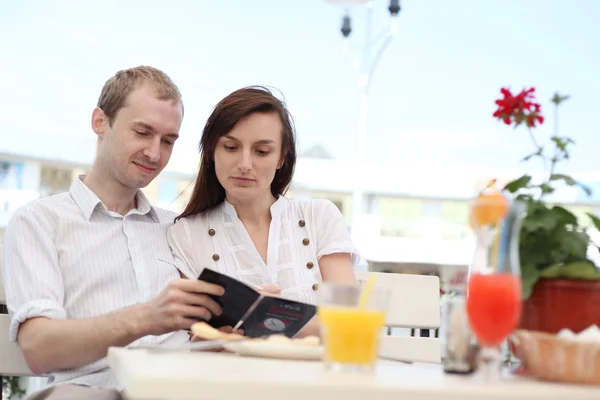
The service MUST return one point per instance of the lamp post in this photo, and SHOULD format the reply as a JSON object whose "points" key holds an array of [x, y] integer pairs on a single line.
{"points": [[365, 61]]}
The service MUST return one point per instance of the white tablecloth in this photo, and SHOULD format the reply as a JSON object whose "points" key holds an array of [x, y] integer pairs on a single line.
{"points": [[215, 376]]}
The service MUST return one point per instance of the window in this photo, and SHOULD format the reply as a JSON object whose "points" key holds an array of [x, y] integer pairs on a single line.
{"points": [[167, 190], [339, 204], [455, 219], [341, 201], [185, 187], [11, 175], [55, 180], [580, 213], [400, 216]]}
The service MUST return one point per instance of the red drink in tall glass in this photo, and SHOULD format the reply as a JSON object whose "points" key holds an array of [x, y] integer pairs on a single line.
{"points": [[493, 306]]}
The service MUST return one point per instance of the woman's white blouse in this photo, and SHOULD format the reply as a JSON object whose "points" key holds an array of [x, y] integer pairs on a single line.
{"points": [[301, 232]]}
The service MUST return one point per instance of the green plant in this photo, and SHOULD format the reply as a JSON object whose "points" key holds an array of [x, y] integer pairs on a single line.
{"points": [[553, 243], [11, 386]]}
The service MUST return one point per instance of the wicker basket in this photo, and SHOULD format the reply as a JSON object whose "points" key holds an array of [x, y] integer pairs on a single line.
{"points": [[553, 358]]}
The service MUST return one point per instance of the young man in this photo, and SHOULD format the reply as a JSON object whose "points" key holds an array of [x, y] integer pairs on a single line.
{"points": [[91, 268]]}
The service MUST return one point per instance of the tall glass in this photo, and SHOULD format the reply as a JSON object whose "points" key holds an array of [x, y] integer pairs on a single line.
{"points": [[494, 282], [350, 332]]}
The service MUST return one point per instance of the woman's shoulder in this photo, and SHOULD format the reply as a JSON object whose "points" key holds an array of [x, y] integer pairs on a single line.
{"points": [[312, 203], [190, 223], [313, 207]]}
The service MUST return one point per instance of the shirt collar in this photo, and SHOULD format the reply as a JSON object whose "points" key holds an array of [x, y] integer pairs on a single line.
{"points": [[144, 206], [88, 201], [275, 208]]}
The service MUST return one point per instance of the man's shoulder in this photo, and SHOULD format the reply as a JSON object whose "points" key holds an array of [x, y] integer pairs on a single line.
{"points": [[43, 213], [164, 215], [48, 204]]}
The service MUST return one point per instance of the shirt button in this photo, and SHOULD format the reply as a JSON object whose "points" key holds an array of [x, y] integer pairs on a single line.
{"points": [[309, 265], [211, 232], [305, 241], [301, 223], [216, 257], [315, 286]]}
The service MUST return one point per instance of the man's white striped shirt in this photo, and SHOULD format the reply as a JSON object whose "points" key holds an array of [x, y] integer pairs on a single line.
{"points": [[68, 257]]}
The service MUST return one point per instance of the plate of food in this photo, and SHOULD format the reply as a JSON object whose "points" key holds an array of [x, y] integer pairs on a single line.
{"points": [[274, 346], [278, 346]]}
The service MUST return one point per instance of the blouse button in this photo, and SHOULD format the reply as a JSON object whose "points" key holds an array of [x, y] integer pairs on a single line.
{"points": [[301, 223], [216, 257], [305, 241], [315, 286], [211, 232], [309, 265]]}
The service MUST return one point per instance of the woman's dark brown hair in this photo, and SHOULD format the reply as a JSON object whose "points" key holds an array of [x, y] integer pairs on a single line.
{"points": [[208, 192]]}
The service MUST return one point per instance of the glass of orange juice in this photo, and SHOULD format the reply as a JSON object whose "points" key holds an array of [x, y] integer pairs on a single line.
{"points": [[351, 330]]}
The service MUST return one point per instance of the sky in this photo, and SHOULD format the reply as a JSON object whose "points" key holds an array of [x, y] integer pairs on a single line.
{"points": [[432, 94]]}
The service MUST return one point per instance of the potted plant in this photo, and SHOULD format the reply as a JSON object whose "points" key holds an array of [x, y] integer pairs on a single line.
{"points": [[11, 387], [561, 285]]}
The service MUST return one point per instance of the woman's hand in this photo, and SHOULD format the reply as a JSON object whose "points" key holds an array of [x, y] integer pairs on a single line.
{"points": [[270, 289], [312, 328], [224, 329]]}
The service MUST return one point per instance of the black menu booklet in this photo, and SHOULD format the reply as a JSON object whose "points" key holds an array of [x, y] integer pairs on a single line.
{"points": [[259, 315]]}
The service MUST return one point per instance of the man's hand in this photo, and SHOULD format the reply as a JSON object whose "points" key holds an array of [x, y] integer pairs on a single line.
{"points": [[50, 345], [177, 306]]}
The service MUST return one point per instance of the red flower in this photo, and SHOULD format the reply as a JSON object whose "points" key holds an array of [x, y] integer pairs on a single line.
{"points": [[518, 109], [531, 119]]}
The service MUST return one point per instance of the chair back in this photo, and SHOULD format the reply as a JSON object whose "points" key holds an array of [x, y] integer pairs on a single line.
{"points": [[414, 303], [12, 361]]}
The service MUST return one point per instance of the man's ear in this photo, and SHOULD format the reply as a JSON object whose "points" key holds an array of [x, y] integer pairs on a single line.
{"points": [[99, 121]]}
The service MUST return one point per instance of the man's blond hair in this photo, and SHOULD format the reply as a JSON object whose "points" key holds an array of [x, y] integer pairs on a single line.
{"points": [[116, 89]]}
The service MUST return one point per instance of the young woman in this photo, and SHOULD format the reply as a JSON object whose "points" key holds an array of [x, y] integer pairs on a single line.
{"points": [[238, 222]]}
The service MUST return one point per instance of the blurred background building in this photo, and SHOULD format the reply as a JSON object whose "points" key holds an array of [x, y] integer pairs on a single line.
{"points": [[431, 142], [409, 224]]}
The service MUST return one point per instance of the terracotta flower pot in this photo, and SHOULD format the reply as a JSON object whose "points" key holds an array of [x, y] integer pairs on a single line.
{"points": [[555, 304]]}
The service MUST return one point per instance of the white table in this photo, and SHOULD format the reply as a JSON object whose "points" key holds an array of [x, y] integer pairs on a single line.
{"points": [[215, 376]]}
